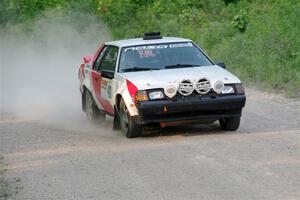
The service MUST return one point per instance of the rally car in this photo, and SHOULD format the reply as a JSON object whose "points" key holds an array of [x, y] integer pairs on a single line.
{"points": [[157, 80]]}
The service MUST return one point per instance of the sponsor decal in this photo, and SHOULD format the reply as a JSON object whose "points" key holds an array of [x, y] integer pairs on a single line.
{"points": [[160, 46], [106, 89]]}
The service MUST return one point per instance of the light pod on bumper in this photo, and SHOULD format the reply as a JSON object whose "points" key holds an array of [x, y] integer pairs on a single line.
{"points": [[203, 86], [186, 87], [218, 87], [170, 91]]}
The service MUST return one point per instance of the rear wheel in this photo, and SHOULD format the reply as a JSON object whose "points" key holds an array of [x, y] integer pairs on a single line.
{"points": [[128, 125], [92, 111], [230, 123]]}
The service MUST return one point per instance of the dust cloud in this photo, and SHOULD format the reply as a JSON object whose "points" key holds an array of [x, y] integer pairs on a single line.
{"points": [[38, 74]]}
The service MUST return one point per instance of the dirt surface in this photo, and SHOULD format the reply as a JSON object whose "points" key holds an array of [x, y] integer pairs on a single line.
{"points": [[80, 160]]}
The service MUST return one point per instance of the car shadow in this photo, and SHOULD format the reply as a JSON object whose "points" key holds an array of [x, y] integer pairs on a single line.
{"points": [[183, 130]]}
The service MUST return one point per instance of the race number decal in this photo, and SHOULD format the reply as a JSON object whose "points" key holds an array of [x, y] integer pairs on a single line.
{"points": [[106, 89]]}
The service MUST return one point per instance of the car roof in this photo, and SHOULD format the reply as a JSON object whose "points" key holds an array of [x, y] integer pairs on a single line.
{"points": [[141, 41]]}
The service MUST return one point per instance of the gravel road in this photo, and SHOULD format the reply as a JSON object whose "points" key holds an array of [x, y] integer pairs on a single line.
{"points": [[75, 159]]}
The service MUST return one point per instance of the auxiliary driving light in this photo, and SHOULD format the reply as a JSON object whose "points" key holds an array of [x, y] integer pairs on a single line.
{"points": [[170, 91], [218, 87]]}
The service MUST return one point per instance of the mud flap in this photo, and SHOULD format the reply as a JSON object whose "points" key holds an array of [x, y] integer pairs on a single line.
{"points": [[116, 123]]}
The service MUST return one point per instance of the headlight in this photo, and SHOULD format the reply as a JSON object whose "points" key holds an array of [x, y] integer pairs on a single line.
{"points": [[156, 95], [227, 89]]}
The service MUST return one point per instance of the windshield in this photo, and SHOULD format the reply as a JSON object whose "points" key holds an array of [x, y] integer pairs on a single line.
{"points": [[161, 56]]}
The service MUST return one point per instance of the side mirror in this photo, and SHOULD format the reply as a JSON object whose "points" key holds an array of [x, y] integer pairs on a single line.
{"points": [[108, 74], [87, 59], [221, 64]]}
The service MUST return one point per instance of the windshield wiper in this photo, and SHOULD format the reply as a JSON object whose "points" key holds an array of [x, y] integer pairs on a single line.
{"points": [[139, 69], [179, 66]]}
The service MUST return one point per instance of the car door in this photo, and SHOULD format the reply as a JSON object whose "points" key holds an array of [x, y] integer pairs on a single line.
{"points": [[106, 61]]}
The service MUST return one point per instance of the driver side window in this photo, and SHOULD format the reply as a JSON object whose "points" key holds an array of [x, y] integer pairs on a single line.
{"points": [[99, 59], [109, 60]]}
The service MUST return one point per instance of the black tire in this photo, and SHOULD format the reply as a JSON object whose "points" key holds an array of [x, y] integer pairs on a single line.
{"points": [[92, 111], [230, 123], [128, 125]]}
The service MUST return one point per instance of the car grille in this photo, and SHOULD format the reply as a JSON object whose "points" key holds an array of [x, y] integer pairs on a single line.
{"points": [[211, 93]]}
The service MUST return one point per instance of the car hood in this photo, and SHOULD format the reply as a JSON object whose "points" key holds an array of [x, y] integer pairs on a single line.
{"points": [[161, 78]]}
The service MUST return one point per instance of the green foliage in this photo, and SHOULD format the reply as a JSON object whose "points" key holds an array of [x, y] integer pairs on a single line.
{"points": [[14, 12], [240, 21], [268, 52], [259, 40], [230, 1]]}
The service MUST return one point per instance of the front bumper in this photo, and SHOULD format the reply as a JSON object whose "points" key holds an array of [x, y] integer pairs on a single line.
{"points": [[190, 108]]}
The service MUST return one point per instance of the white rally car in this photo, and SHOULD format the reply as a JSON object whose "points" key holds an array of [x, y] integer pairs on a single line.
{"points": [[158, 80]]}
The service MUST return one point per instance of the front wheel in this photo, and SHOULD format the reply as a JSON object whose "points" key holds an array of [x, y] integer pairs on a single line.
{"points": [[230, 123], [128, 125]]}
